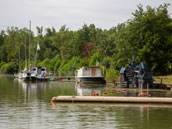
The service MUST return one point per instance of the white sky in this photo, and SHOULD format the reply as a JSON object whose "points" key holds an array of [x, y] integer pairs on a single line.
{"points": [[72, 13]]}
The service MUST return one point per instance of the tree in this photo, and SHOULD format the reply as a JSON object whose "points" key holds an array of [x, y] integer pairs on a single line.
{"points": [[152, 29]]}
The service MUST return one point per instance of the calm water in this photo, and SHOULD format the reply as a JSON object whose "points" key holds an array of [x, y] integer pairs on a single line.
{"points": [[27, 106]]}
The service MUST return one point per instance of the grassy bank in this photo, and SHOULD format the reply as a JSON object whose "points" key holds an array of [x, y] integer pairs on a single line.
{"points": [[157, 79], [164, 79]]}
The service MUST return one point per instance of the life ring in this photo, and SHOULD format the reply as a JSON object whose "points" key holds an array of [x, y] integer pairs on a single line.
{"points": [[144, 94]]}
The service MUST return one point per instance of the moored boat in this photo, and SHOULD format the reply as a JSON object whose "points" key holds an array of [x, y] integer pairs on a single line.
{"points": [[28, 76], [91, 75], [41, 73]]}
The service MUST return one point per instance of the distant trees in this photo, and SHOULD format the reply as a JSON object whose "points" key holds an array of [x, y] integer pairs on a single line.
{"points": [[147, 36]]}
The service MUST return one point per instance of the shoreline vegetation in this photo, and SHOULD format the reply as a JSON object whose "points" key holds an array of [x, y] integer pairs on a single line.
{"points": [[147, 36]]}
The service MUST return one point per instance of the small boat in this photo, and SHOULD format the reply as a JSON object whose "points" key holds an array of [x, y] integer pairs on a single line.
{"points": [[41, 73], [26, 75], [90, 75]]}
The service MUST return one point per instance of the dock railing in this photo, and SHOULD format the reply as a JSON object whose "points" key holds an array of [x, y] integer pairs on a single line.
{"points": [[58, 75]]}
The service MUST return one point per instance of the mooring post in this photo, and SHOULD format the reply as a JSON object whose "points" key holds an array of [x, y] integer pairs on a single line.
{"points": [[147, 86], [161, 81]]}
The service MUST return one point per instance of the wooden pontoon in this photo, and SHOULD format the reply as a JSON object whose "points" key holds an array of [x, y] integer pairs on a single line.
{"points": [[107, 99]]}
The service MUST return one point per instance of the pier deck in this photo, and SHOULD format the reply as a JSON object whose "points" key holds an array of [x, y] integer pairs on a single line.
{"points": [[106, 99]]}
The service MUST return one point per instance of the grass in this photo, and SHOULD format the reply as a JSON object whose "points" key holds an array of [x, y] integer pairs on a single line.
{"points": [[165, 79]]}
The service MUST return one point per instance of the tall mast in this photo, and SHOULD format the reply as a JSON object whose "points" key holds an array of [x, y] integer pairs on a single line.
{"points": [[25, 55], [29, 38], [19, 60], [35, 58]]}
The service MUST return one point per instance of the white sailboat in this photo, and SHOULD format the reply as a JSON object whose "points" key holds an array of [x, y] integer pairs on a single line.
{"points": [[27, 75]]}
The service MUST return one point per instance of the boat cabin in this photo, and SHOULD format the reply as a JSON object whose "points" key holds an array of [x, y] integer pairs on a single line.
{"points": [[90, 75], [135, 75], [89, 72], [39, 70]]}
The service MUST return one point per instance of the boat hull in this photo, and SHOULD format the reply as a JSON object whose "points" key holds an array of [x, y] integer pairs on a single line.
{"points": [[29, 78], [91, 80], [42, 78]]}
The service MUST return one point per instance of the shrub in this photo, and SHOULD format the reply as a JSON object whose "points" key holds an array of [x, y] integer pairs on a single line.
{"points": [[94, 59], [111, 75], [9, 68]]}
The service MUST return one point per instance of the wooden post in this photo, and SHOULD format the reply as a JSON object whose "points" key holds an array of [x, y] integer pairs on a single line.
{"points": [[161, 80]]}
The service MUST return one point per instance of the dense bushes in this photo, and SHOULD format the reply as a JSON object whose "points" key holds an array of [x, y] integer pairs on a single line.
{"points": [[8, 67], [111, 75]]}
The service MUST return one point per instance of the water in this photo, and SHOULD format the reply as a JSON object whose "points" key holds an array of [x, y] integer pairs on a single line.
{"points": [[27, 106]]}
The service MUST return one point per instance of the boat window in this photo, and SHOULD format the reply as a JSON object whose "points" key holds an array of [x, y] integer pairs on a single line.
{"points": [[86, 72], [93, 71]]}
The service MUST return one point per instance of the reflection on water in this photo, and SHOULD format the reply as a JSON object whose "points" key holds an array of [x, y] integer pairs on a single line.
{"points": [[27, 106], [89, 90]]}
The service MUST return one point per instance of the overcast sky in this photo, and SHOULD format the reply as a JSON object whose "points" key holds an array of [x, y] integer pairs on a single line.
{"points": [[72, 13]]}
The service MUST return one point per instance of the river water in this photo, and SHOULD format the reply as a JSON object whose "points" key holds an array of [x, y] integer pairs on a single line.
{"points": [[27, 106]]}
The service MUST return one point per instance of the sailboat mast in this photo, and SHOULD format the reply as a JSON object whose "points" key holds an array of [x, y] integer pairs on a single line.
{"points": [[35, 58], [19, 60], [25, 55], [29, 38]]}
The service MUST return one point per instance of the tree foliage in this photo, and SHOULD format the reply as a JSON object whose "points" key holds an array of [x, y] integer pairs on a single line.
{"points": [[147, 36]]}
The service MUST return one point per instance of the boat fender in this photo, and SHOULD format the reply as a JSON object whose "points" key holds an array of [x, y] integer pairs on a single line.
{"points": [[124, 89], [93, 94], [105, 93], [118, 91], [97, 94], [111, 92]]}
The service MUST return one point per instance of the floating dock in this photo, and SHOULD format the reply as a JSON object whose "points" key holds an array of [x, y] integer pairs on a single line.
{"points": [[109, 99]]}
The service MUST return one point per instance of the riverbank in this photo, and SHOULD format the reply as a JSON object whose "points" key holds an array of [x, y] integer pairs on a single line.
{"points": [[160, 82], [163, 79], [6, 75]]}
